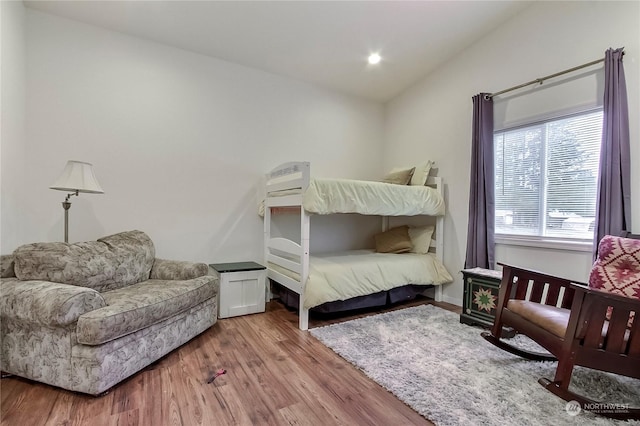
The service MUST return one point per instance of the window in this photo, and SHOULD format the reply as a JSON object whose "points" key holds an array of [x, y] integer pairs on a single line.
{"points": [[546, 177]]}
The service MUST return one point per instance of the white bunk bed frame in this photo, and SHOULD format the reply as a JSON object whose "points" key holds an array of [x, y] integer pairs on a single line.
{"points": [[294, 177]]}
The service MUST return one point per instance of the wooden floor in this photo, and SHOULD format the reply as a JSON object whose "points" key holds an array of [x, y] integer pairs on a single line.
{"points": [[276, 375]]}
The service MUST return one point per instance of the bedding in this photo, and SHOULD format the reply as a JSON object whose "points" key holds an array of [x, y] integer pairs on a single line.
{"points": [[327, 196], [336, 277], [344, 275]]}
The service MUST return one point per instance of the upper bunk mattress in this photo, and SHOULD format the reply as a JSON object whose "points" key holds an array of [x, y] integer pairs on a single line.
{"points": [[327, 196]]}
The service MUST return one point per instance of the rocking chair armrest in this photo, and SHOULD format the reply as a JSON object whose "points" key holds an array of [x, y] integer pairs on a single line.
{"points": [[604, 322], [610, 297]]}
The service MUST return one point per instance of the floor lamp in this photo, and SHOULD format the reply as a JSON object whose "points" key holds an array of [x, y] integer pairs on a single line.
{"points": [[76, 177]]}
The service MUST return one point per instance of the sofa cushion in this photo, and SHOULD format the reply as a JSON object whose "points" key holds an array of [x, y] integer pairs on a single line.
{"points": [[46, 303], [177, 270], [107, 264], [6, 266], [140, 305]]}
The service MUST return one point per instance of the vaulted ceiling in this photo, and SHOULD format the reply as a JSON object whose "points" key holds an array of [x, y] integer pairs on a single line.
{"points": [[321, 42]]}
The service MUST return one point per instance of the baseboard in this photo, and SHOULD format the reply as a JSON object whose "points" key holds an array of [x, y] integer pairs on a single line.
{"points": [[452, 300], [431, 292]]}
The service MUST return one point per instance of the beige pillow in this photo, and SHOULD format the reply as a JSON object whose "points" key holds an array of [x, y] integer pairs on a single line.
{"points": [[399, 176], [421, 238], [395, 240], [421, 173]]}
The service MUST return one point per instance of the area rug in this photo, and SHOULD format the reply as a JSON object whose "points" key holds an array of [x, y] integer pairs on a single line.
{"points": [[450, 375]]}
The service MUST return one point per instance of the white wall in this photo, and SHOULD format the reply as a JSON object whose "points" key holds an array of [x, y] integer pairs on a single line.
{"points": [[179, 141], [12, 121], [433, 118]]}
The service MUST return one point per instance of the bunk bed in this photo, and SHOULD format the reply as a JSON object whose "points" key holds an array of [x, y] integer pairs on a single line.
{"points": [[334, 277]]}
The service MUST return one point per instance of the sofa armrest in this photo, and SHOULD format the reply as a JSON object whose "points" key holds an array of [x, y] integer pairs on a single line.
{"points": [[177, 270], [7, 266], [45, 302]]}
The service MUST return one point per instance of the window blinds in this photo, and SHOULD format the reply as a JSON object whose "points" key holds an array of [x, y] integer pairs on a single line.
{"points": [[546, 177]]}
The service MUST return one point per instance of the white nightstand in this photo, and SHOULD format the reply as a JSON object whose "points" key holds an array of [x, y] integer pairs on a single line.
{"points": [[242, 288]]}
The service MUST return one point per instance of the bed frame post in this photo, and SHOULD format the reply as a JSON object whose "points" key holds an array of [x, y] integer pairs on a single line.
{"points": [[305, 228], [438, 293], [267, 237], [439, 238]]}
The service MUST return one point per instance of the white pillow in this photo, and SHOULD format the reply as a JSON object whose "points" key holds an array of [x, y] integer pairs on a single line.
{"points": [[421, 238], [421, 173]]}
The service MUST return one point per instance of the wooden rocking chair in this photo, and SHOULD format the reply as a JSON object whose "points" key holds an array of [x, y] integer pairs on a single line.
{"points": [[590, 326]]}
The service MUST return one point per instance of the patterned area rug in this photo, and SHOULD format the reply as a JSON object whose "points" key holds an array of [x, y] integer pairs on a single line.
{"points": [[449, 374]]}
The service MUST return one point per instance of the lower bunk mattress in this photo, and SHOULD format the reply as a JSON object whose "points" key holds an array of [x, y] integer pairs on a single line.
{"points": [[350, 274]]}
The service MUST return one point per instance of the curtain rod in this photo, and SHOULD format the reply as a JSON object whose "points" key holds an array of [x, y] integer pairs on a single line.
{"points": [[542, 79]]}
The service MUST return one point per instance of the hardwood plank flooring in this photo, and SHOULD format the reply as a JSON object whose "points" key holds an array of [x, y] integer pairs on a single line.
{"points": [[276, 375]]}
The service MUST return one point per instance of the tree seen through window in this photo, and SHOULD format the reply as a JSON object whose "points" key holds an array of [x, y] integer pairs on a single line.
{"points": [[546, 177]]}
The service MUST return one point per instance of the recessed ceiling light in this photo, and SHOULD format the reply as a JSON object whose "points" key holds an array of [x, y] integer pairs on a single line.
{"points": [[374, 58]]}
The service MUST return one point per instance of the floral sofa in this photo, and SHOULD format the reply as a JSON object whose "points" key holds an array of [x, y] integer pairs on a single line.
{"points": [[86, 316]]}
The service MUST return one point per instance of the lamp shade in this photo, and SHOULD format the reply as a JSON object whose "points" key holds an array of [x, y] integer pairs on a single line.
{"points": [[78, 176]]}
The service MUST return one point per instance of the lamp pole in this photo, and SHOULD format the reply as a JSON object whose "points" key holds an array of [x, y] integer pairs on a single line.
{"points": [[76, 177], [66, 205]]}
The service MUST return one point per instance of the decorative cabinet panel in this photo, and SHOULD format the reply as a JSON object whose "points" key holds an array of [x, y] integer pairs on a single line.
{"points": [[481, 287]]}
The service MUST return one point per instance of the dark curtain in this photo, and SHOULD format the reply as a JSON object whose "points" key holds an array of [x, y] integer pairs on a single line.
{"points": [[480, 234], [613, 208]]}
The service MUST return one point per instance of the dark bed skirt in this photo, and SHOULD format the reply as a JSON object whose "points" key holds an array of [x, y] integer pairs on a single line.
{"points": [[382, 298]]}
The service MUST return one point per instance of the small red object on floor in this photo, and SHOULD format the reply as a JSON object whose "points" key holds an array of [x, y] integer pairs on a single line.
{"points": [[218, 373]]}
